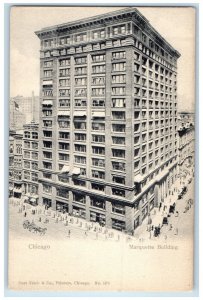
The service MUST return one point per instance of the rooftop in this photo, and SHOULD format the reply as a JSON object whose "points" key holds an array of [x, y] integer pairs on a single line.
{"points": [[103, 20]]}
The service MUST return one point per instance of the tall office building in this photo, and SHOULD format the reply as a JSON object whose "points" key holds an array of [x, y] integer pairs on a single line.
{"points": [[108, 118], [23, 110]]}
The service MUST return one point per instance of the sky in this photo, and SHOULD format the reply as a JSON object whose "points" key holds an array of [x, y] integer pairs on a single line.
{"points": [[176, 25]]}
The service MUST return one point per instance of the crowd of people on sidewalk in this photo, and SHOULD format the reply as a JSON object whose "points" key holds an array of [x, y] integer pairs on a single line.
{"points": [[158, 219]]}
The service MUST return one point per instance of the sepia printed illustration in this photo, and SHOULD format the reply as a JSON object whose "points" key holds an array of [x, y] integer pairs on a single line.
{"points": [[101, 148]]}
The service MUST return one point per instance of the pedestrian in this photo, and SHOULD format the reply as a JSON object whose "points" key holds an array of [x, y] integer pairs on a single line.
{"points": [[160, 205], [171, 226], [176, 231], [40, 219], [69, 233], [25, 214], [177, 213], [152, 227]]}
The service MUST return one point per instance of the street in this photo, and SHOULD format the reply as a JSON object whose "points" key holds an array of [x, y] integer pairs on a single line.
{"points": [[60, 226]]}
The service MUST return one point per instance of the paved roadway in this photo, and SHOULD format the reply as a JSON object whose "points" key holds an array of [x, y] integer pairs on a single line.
{"points": [[182, 226]]}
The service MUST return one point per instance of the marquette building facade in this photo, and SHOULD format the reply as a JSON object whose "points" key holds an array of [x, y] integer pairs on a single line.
{"points": [[108, 118]]}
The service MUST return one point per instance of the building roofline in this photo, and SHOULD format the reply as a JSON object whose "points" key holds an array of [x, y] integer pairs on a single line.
{"points": [[101, 19]]}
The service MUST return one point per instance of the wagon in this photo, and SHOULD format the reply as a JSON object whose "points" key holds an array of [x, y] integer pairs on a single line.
{"points": [[26, 224]]}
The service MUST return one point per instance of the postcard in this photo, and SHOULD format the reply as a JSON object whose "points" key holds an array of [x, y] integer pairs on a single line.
{"points": [[101, 148]]}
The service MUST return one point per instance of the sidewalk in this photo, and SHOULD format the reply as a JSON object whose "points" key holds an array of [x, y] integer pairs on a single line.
{"points": [[157, 214]]}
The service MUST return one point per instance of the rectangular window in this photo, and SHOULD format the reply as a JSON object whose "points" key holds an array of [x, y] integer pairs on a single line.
{"points": [[80, 70], [34, 155], [79, 125], [63, 123], [98, 187], [97, 203], [62, 193], [64, 82], [98, 138], [118, 127], [98, 126], [47, 123], [98, 150], [64, 62], [47, 175], [98, 174], [81, 81], [80, 60], [47, 154], [80, 137], [26, 154], [119, 55], [47, 144], [118, 79], [97, 58], [64, 92], [64, 102], [79, 198], [118, 102], [48, 63], [121, 29], [79, 182], [98, 92], [118, 115], [116, 207], [64, 146], [80, 148], [63, 156], [99, 103], [64, 72], [47, 188], [48, 73], [119, 67], [47, 133], [98, 162], [118, 140], [80, 159], [118, 153], [98, 80], [80, 92], [118, 179], [98, 69]]}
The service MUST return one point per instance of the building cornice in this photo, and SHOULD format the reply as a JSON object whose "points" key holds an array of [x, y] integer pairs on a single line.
{"points": [[129, 14]]}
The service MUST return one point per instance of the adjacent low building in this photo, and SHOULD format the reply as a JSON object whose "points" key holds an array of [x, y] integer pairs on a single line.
{"points": [[30, 162], [186, 147], [15, 165]]}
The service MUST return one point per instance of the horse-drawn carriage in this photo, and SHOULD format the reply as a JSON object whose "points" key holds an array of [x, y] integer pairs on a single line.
{"points": [[31, 226]]}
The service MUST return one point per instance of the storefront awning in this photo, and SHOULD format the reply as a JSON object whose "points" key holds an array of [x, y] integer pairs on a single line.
{"points": [[17, 190], [138, 178], [64, 113], [76, 171], [162, 175], [33, 200], [47, 102], [65, 169], [98, 114], [35, 196], [47, 82], [80, 113]]}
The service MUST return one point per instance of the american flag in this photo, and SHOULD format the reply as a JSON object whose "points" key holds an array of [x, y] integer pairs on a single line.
{"points": [[16, 105]]}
